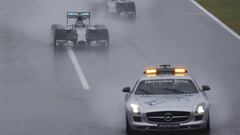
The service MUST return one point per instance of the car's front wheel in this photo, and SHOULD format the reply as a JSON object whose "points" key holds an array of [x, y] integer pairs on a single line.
{"points": [[129, 130], [207, 128], [208, 125]]}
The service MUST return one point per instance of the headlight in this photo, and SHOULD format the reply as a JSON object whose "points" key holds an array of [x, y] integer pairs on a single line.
{"points": [[200, 109], [135, 108]]}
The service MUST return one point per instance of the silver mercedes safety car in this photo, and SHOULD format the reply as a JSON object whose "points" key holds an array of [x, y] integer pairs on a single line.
{"points": [[166, 99]]}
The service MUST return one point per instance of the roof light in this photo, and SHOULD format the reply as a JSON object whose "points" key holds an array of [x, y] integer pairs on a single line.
{"points": [[165, 70], [151, 71], [180, 70]]}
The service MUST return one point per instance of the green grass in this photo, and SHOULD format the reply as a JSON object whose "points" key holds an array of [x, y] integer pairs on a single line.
{"points": [[227, 11]]}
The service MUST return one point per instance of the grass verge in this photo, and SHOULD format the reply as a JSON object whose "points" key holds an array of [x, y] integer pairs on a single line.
{"points": [[228, 11]]}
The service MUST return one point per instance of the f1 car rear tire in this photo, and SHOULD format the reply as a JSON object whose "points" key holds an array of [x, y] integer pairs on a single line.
{"points": [[55, 42], [81, 44], [106, 45]]}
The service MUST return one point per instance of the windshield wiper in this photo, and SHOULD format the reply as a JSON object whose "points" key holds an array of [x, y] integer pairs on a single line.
{"points": [[174, 90]]}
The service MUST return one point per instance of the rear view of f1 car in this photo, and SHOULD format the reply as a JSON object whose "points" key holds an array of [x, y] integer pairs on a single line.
{"points": [[79, 33], [126, 8], [120, 8]]}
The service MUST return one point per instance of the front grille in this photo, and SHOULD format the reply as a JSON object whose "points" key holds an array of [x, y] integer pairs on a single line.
{"points": [[168, 116]]}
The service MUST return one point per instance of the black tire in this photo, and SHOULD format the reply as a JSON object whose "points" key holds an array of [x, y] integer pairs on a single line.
{"points": [[134, 16], [129, 130], [54, 41], [75, 42], [107, 44], [81, 44], [208, 127], [88, 41], [55, 37]]}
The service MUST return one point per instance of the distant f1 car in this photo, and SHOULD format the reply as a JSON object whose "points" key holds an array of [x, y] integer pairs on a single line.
{"points": [[78, 33], [126, 8], [120, 8]]}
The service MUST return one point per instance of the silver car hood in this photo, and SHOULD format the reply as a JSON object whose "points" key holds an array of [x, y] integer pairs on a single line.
{"points": [[167, 101]]}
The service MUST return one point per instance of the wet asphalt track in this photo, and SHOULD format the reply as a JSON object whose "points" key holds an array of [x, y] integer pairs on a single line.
{"points": [[41, 94]]}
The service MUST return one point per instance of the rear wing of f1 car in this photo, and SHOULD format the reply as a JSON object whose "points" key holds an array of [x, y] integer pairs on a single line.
{"points": [[75, 15]]}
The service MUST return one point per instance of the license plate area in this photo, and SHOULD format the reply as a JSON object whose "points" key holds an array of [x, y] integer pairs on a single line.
{"points": [[168, 126]]}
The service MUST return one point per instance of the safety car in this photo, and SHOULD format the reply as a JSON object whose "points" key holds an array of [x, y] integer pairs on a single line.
{"points": [[166, 99]]}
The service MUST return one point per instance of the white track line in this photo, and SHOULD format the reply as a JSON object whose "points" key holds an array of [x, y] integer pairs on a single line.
{"points": [[78, 68], [216, 20]]}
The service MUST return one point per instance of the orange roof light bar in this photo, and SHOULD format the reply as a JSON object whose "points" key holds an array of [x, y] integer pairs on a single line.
{"points": [[151, 71], [180, 70], [165, 71]]}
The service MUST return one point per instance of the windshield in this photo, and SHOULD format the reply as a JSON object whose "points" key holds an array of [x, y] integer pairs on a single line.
{"points": [[166, 86]]}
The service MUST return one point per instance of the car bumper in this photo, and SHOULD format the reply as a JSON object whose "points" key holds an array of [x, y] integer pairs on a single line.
{"points": [[146, 125], [195, 125]]}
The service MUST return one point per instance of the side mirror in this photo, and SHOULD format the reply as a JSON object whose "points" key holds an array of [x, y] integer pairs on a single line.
{"points": [[206, 88], [126, 90]]}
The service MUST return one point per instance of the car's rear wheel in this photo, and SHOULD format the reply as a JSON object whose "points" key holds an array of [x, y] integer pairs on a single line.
{"points": [[106, 45], [54, 43], [54, 40], [107, 39], [81, 44]]}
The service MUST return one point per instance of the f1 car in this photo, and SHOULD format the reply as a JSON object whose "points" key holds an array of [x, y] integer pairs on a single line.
{"points": [[80, 34], [126, 8], [166, 99], [121, 8]]}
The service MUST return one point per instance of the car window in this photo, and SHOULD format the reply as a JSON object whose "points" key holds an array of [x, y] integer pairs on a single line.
{"points": [[166, 86]]}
